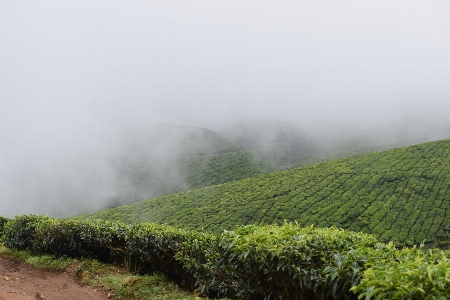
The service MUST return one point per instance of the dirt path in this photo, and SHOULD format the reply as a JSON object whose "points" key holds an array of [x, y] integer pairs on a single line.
{"points": [[23, 282]]}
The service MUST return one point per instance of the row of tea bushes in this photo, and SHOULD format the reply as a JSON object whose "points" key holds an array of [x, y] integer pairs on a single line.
{"points": [[274, 261], [250, 262], [142, 248]]}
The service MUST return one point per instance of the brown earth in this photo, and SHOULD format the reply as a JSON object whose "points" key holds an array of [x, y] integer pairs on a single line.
{"points": [[20, 281]]}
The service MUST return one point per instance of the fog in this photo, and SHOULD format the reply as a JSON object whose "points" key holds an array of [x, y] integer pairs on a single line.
{"points": [[76, 75]]}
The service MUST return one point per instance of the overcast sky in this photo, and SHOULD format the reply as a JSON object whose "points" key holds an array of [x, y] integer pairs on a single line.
{"points": [[73, 73]]}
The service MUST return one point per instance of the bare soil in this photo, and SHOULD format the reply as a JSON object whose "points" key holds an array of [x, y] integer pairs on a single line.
{"points": [[20, 281]]}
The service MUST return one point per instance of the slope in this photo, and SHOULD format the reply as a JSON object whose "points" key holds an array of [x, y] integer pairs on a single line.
{"points": [[399, 194], [164, 159], [285, 145], [395, 135]]}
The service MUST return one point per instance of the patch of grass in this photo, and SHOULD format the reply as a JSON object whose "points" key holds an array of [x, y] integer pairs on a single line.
{"points": [[46, 262], [50, 263], [123, 285], [144, 287]]}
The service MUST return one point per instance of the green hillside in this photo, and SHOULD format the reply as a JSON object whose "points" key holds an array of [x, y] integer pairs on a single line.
{"points": [[166, 159], [400, 194]]}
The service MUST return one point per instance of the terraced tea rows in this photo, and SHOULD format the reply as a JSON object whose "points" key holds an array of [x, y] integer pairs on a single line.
{"points": [[401, 195]]}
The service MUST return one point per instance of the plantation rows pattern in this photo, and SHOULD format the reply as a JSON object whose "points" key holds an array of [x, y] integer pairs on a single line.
{"points": [[213, 169], [401, 195]]}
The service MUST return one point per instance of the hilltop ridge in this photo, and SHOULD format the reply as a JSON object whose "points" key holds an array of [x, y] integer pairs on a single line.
{"points": [[164, 159]]}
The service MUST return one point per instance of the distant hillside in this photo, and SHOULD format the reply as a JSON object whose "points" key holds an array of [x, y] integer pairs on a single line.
{"points": [[382, 138], [357, 145], [281, 143], [399, 194], [166, 159]]}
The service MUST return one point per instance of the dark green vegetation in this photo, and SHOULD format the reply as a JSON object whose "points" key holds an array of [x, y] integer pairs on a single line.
{"points": [[166, 159], [3, 221], [251, 262], [401, 195]]}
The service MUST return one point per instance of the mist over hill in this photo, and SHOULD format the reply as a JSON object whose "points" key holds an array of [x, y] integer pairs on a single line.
{"points": [[165, 159], [128, 165], [280, 143], [287, 145]]}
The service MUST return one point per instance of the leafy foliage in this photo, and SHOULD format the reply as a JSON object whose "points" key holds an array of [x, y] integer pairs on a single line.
{"points": [[3, 221], [401, 195], [142, 248], [19, 232], [277, 262], [406, 274], [251, 262]]}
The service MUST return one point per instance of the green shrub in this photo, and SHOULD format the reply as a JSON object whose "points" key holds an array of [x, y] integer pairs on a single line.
{"points": [[407, 274], [152, 248], [142, 248], [93, 239], [277, 261], [19, 232], [3, 221]]}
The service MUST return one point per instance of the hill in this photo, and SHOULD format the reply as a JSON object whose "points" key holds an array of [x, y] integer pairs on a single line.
{"points": [[399, 194], [165, 159], [396, 135], [283, 144]]}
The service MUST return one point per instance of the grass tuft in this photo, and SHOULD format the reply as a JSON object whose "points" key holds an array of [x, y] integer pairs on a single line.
{"points": [[46, 262]]}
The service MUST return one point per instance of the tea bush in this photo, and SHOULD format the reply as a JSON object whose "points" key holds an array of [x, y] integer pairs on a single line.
{"points": [[406, 274], [251, 262], [277, 261], [3, 221], [19, 232]]}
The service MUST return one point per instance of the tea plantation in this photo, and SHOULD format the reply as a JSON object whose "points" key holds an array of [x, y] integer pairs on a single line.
{"points": [[401, 195]]}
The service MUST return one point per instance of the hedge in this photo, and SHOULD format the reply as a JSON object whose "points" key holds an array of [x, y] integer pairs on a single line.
{"points": [[250, 262]]}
